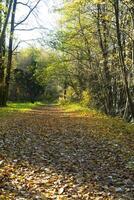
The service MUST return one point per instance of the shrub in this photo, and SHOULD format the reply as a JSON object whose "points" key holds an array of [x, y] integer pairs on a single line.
{"points": [[86, 98]]}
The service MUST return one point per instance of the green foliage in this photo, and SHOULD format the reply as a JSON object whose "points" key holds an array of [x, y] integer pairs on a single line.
{"points": [[83, 110], [86, 98], [70, 94], [75, 107], [89, 44], [69, 97], [63, 102], [83, 56], [25, 84]]}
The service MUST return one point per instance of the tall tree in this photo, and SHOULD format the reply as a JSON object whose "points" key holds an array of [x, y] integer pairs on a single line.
{"points": [[3, 27], [5, 77], [121, 56]]}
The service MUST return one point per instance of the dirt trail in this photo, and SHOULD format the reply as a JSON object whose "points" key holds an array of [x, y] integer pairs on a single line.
{"points": [[49, 154]]}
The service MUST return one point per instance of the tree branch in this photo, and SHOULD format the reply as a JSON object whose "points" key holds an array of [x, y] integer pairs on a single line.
{"points": [[27, 14]]}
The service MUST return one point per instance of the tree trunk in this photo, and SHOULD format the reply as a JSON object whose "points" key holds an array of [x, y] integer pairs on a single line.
{"points": [[104, 48], [2, 58], [121, 56], [10, 52]]}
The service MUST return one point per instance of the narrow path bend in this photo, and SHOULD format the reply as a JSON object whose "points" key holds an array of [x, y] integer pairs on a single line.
{"points": [[49, 154]]}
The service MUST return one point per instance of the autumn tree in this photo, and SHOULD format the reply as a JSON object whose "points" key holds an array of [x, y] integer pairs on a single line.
{"points": [[96, 40]]}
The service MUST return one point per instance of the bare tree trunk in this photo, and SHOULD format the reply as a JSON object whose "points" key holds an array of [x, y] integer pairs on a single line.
{"points": [[2, 41], [10, 52], [133, 44], [104, 48], [121, 56], [1, 61]]}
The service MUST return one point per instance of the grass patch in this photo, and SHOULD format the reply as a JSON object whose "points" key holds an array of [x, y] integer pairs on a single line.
{"points": [[17, 107], [75, 108], [82, 110]]}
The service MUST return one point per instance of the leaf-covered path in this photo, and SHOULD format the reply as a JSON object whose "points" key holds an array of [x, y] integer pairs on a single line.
{"points": [[50, 154]]}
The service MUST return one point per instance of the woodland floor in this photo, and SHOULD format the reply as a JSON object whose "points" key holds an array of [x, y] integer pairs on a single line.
{"points": [[49, 154]]}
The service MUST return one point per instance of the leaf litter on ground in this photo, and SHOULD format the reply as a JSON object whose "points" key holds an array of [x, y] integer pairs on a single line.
{"points": [[49, 154]]}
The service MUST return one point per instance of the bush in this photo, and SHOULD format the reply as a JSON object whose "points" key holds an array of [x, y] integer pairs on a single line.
{"points": [[70, 97], [86, 98], [63, 101]]}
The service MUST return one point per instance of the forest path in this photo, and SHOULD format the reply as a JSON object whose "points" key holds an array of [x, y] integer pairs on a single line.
{"points": [[50, 154]]}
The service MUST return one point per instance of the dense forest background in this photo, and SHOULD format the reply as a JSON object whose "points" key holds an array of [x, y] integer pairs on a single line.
{"points": [[89, 59]]}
